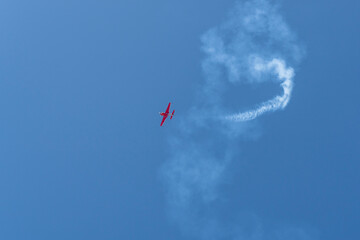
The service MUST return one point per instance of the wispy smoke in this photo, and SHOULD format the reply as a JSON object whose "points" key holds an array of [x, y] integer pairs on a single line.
{"points": [[254, 45]]}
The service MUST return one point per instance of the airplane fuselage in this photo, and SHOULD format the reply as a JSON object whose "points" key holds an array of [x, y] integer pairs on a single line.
{"points": [[165, 114]]}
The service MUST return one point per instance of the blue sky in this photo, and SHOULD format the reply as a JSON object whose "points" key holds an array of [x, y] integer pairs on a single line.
{"points": [[82, 155]]}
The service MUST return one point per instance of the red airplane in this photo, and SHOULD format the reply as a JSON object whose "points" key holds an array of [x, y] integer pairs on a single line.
{"points": [[166, 114]]}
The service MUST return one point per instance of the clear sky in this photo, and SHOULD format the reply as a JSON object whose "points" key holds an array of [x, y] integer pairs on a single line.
{"points": [[82, 155]]}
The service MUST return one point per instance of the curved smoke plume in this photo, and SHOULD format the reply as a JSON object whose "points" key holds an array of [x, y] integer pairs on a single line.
{"points": [[285, 75]]}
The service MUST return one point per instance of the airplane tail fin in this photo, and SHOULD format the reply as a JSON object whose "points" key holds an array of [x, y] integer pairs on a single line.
{"points": [[172, 114]]}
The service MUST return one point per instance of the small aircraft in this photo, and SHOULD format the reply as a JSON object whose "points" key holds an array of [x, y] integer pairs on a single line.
{"points": [[166, 114]]}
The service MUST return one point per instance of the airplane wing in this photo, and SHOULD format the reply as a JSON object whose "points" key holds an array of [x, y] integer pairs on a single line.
{"points": [[168, 108], [163, 120]]}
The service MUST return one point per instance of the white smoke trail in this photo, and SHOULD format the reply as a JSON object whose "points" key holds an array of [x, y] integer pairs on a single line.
{"points": [[252, 46], [285, 75]]}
